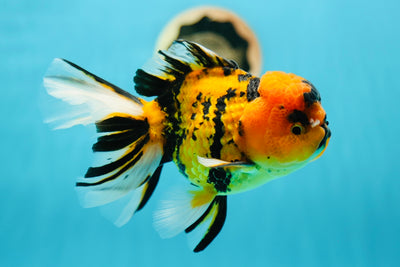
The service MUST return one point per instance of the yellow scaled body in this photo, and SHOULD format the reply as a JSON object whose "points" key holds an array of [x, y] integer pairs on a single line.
{"points": [[213, 104]]}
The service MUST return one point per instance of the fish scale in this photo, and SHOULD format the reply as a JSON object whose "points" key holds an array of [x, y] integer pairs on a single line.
{"points": [[203, 126]]}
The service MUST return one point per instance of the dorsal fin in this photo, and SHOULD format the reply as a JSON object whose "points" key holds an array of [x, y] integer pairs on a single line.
{"points": [[174, 64]]}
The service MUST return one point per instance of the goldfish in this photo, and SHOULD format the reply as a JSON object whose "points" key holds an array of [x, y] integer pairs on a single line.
{"points": [[226, 130]]}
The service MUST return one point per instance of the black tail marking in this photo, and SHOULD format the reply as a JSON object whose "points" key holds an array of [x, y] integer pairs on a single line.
{"points": [[150, 85], [112, 177], [216, 225], [151, 185], [117, 123], [117, 141], [98, 171]]}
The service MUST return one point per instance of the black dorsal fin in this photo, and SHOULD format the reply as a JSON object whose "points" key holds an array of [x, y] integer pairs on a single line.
{"points": [[172, 65]]}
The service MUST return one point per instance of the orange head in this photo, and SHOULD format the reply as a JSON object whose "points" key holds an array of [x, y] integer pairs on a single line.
{"points": [[285, 127]]}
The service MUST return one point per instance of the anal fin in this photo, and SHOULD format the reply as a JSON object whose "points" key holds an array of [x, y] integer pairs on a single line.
{"points": [[212, 220], [197, 211]]}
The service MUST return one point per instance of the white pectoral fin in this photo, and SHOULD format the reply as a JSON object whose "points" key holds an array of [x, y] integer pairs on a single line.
{"points": [[194, 210], [217, 163]]}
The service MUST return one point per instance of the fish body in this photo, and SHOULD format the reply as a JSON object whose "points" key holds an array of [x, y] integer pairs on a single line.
{"points": [[226, 130], [211, 102]]}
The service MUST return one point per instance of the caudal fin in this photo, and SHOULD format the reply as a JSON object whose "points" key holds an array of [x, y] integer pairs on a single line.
{"points": [[198, 212], [126, 154]]}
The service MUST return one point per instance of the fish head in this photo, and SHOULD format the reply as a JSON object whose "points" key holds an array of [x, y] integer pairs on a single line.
{"points": [[285, 127]]}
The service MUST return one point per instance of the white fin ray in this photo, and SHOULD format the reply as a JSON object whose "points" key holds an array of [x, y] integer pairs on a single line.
{"points": [[103, 158], [121, 211], [90, 98], [176, 213]]}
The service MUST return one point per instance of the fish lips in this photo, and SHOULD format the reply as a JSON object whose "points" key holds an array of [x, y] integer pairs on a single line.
{"points": [[327, 136], [324, 142]]}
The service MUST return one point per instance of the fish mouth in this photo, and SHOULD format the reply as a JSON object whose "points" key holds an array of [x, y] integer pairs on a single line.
{"points": [[327, 136], [324, 142]]}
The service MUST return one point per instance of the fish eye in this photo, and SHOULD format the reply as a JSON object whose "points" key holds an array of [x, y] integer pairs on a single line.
{"points": [[297, 129]]}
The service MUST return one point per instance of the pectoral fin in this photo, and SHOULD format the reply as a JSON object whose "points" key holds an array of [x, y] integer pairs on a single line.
{"points": [[217, 163]]}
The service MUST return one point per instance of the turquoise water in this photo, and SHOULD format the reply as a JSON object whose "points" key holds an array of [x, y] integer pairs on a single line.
{"points": [[341, 210]]}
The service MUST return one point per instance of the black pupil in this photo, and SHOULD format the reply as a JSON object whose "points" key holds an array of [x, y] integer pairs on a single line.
{"points": [[296, 130]]}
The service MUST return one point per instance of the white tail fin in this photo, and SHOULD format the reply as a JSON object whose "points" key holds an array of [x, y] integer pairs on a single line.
{"points": [[91, 98], [121, 211], [126, 157]]}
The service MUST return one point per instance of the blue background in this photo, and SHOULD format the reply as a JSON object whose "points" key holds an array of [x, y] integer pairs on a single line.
{"points": [[341, 210]]}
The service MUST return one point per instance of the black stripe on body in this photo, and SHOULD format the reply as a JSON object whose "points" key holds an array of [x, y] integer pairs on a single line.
{"points": [[194, 137], [216, 225], [171, 106], [219, 127], [175, 134], [244, 77], [198, 98], [220, 178], [206, 108], [179, 141], [252, 89]]}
